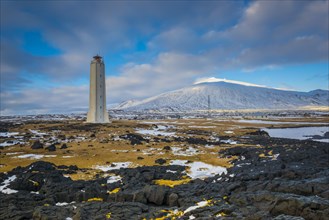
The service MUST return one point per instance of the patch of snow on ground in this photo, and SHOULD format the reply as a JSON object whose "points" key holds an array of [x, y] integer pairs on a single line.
{"points": [[178, 162], [209, 146], [275, 156], [243, 164], [114, 179], [63, 203], [302, 133], [34, 156], [10, 143], [229, 141], [116, 138], [14, 153], [8, 134], [198, 205], [37, 132], [199, 169], [149, 151], [202, 170], [160, 130], [4, 186], [228, 132], [190, 151], [216, 139], [171, 171], [114, 166]]}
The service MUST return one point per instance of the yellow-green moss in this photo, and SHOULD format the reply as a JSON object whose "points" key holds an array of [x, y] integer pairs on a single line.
{"points": [[116, 190], [95, 200], [171, 183]]}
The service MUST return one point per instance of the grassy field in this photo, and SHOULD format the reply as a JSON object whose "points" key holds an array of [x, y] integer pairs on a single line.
{"points": [[90, 145]]}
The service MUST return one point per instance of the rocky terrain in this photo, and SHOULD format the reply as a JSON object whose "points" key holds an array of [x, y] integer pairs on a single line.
{"points": [[210, 168], [284, 179]]}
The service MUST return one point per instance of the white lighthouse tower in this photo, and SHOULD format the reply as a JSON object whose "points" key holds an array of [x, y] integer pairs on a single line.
{"points": [[97, 98]]}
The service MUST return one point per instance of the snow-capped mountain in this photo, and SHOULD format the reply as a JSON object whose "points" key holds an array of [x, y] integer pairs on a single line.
{"points": [[227, 94]]}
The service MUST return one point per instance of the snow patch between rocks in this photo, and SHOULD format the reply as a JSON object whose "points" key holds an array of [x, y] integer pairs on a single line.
{"points": [[198, 205], [160, 130], [199, 169], [190, 151], [229, 141], [114, 179], [10, 143], [63, 203], [8, 134], [114, 166], [4, 188], [37, 132]]}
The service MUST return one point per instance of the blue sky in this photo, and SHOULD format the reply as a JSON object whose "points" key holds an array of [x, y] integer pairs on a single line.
{"points": [[151, 47]]}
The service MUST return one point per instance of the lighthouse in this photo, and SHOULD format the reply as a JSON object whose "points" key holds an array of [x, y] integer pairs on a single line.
{"points": [[97, 95]]}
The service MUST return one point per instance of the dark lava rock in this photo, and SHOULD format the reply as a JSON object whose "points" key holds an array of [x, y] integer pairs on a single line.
{"points": [[37, 145], [287, 217], [259, 133], [167, 148], [326, 135], [173, 199], [61, 136], [64, 146], [93, 135], [135, 139], [287, 179], [140, 158], [160, 161], [155, 194], [51, 147]]}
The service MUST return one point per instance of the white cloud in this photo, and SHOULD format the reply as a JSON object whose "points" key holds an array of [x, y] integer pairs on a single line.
{"points": [[53, 100], [169, 71]]}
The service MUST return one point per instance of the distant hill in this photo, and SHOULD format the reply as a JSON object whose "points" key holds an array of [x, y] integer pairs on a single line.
{"points": [[228, 95]]}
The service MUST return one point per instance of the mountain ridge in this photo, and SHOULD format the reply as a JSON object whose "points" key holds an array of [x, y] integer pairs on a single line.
{"points": [[227, 95]]}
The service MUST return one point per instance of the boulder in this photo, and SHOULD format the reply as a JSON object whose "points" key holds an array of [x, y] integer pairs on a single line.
{"points": [[155, 194], [135, 139], [37, 145], [64, 146], [167, 148], [173, 199], [51, 147], [160, 161]]}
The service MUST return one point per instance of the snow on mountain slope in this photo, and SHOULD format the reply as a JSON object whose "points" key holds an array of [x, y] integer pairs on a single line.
{"points": [[227, 95]]}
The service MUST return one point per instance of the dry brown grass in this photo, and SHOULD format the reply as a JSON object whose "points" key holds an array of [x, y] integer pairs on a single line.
{"points": [[89, 153]]}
